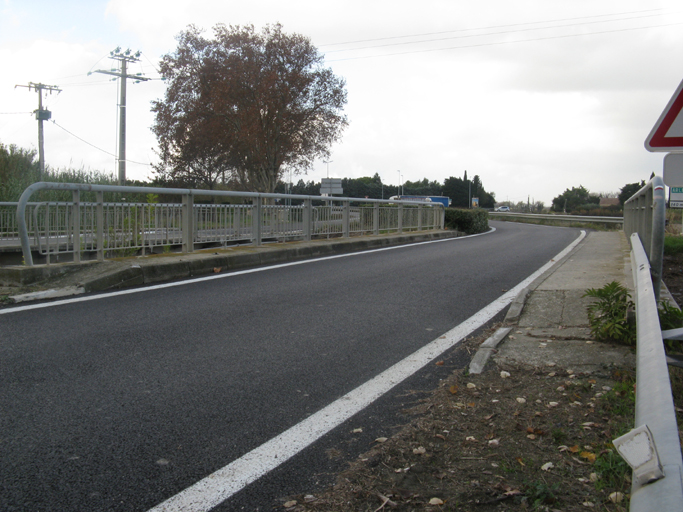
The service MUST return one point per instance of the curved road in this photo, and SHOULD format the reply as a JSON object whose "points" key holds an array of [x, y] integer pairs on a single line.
{"points": [[121, 402]]}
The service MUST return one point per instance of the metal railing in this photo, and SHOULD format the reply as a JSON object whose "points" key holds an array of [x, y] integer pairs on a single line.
{"points": [[654, 401], [118, 229], [645, 214], [565, 218]]}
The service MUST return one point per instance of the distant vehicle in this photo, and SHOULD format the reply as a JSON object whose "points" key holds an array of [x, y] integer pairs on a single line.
{"points": [[503, 209], [446, 201]]}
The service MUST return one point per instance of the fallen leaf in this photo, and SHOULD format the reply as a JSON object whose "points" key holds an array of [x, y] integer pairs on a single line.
{"points": [[521, 400], [357, 431], [512, 492], [471, 386], [588, 504], [439, 363], [470, 404], [470, 438], [531, 436], [494, 442], [594, 477], [453, 389], [217, 270], [616, 497], [435, 501], [589, 456], [574, 449], [504, 374], [519, 459], [420, 451], [553, 404], [381, 440], [290, 504], [563, 448], [487, 418], [547, 466], [440, 437]]}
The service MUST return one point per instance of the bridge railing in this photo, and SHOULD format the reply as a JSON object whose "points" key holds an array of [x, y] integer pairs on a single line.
{"points": [[653, 447], [657, 465], [118, 228], [645, 214]]}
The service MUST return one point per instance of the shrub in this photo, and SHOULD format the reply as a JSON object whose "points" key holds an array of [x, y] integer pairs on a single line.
{"points": [[471, 221]]}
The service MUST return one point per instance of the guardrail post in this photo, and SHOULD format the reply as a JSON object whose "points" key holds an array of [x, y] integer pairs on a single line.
{"points": [[307, 219], [256, 218], [419, 217], [188, 223], [99, 220], [346, 211], [400, 219], [375, 219], [76, 223]]}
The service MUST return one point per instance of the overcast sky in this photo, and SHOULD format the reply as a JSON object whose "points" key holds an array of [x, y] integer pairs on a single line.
{"points": [[534, 96]]}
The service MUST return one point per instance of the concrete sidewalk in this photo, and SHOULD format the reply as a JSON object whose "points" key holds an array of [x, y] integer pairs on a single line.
{"points": [[551, 325]]}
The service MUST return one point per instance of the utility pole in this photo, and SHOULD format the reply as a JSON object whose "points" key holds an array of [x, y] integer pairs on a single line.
{"points": [[41, 115], [124, 58]]}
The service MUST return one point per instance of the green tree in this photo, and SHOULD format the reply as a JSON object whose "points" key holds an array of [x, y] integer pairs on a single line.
{"points": [[246, 107], [628, 190], [570, 199]]}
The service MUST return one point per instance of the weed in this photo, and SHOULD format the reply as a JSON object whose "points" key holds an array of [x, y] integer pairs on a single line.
{"points": [[608, 315], [540, 493], [612, 471], [6, 299], [559, 436]]}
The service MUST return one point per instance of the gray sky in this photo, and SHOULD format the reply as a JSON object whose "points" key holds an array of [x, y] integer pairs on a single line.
{"points": [[534, 96]]}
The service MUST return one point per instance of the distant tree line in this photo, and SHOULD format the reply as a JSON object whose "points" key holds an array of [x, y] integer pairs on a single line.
{"points": [[578, 200], [457, 189]]}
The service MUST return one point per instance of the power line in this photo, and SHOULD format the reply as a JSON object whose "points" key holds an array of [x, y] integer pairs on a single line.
{"points": [[503, 32], [497, 43], [93, 145], [488, 27]]}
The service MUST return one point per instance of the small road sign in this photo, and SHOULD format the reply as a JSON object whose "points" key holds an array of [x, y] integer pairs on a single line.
{"points": [[667, 133], [676, 197]]}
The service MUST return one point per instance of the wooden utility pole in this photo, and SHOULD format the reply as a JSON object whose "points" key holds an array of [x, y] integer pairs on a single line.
{"points": [[41, 115], [124, 58]]}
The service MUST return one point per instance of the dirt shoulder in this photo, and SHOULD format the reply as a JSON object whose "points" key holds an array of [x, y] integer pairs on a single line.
{"points": [[515, 437], [511, 438]]}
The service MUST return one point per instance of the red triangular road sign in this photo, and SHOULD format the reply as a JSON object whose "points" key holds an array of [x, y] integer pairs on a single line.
{"points": [[667, 134]]}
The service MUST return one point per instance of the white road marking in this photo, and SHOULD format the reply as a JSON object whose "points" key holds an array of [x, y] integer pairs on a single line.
{"points": [[185, 282], [222, 484]]}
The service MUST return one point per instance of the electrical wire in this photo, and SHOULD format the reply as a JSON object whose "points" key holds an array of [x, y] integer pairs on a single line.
{"points": [[93, 145], [503, 32], [498, 43], [490, 27]]}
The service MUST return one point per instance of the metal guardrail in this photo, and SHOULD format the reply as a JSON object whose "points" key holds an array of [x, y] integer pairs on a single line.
{"points": [[115, 228], [654, 401], [645, 214], [566, 218]]}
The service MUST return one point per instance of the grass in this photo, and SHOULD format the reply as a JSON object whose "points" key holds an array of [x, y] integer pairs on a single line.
{"points": [[673, 245]]}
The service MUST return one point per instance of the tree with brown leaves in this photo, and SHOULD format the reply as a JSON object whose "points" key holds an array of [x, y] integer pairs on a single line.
{"points": [[245, 107]]}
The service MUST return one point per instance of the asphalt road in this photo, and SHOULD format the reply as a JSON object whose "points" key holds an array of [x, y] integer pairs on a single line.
{"points": [[122, 402]]}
